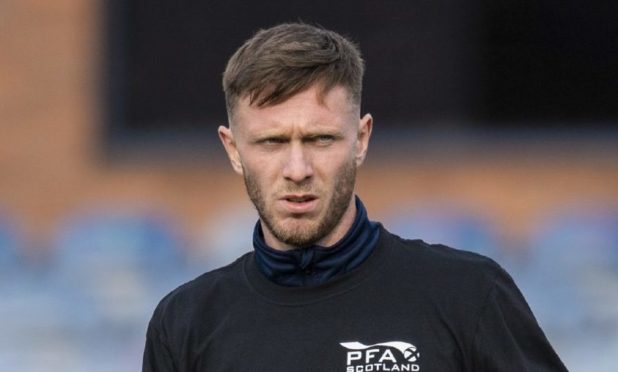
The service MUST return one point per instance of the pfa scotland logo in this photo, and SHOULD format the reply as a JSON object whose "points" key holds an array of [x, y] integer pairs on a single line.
{"points": [[385, 356]]}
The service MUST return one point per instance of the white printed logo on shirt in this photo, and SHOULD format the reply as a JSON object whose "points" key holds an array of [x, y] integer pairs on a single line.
{"points": [[384, 356]]}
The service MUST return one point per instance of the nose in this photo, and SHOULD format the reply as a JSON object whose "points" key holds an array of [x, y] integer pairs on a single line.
{"points": [[298, 167]]}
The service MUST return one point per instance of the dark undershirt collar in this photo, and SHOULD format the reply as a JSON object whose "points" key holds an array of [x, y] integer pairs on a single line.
{"points": [[314, 265]]}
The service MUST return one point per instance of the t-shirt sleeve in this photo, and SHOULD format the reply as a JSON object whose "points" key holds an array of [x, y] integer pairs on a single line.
{"points": [[157, 356], [508, 337]]}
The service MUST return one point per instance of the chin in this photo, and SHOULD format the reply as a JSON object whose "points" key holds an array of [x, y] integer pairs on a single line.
{"points": [[298, 234]]}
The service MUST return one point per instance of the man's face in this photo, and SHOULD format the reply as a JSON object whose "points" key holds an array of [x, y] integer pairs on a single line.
{"points": [[299, 160]]}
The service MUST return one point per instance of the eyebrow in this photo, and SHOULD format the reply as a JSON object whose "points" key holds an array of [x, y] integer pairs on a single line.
{"points": [[305, 135]]}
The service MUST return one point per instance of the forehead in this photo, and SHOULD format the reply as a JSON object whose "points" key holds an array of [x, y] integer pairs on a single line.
{"points": [[307, 107]]}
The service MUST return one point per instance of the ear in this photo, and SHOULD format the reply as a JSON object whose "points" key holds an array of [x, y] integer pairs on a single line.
{"points": [[229, 143], [365, 125]]}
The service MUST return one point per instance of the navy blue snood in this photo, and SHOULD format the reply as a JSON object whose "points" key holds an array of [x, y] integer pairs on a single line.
{"points": [[314, 265]]}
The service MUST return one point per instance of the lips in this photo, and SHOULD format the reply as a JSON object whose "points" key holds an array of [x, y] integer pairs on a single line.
{"points": [[299, 198], [299, 203]]}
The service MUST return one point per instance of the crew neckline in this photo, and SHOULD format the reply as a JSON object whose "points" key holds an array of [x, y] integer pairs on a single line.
{"points": [[303, 295], [315, 264]]}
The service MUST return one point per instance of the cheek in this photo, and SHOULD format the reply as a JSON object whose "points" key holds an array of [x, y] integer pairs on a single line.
{"points": [[263, 173], [332, 163]]}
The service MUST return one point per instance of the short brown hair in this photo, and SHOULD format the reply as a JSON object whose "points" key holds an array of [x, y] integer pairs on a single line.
{"points": [[279, 62]]}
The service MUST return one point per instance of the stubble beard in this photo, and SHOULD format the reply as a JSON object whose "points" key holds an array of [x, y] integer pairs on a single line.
{"points": [[304, 236]]}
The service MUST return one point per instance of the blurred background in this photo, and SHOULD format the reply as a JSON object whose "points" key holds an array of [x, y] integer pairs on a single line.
{"points": [[496, 131]]}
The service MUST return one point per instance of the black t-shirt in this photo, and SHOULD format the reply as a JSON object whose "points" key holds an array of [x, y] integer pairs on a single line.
{"points": [[410, 307]]}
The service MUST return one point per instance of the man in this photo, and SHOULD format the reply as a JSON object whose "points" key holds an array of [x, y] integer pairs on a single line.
{"points": [[325, 289]]}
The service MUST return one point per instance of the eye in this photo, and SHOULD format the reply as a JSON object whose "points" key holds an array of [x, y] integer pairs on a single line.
{"points": [[323, 139], [272, 141]]}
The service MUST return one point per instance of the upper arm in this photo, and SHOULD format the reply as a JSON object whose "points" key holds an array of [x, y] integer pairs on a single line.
{"points": [[507, 336]]}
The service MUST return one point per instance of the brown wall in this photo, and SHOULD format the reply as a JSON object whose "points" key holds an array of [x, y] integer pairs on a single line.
{"points": [[50, 164]]}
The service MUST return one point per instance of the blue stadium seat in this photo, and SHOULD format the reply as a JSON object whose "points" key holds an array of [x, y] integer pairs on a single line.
{"points": [[225, 238], [147, 242], [440, 223], [117, 264], [28, 311], [572, 280], [109, 270], [10, 249]]}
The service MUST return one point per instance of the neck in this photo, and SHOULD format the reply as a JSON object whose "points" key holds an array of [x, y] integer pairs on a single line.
{"points": [[317, 264]]}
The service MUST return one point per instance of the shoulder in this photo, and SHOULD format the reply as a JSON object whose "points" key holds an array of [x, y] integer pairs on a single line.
{"points": [[446, 275], [457, 285], [437, 257], [207, 292]]}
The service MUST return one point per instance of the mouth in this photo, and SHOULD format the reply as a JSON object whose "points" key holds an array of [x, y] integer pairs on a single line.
{"points": [[299, 198], [299, 203]]}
